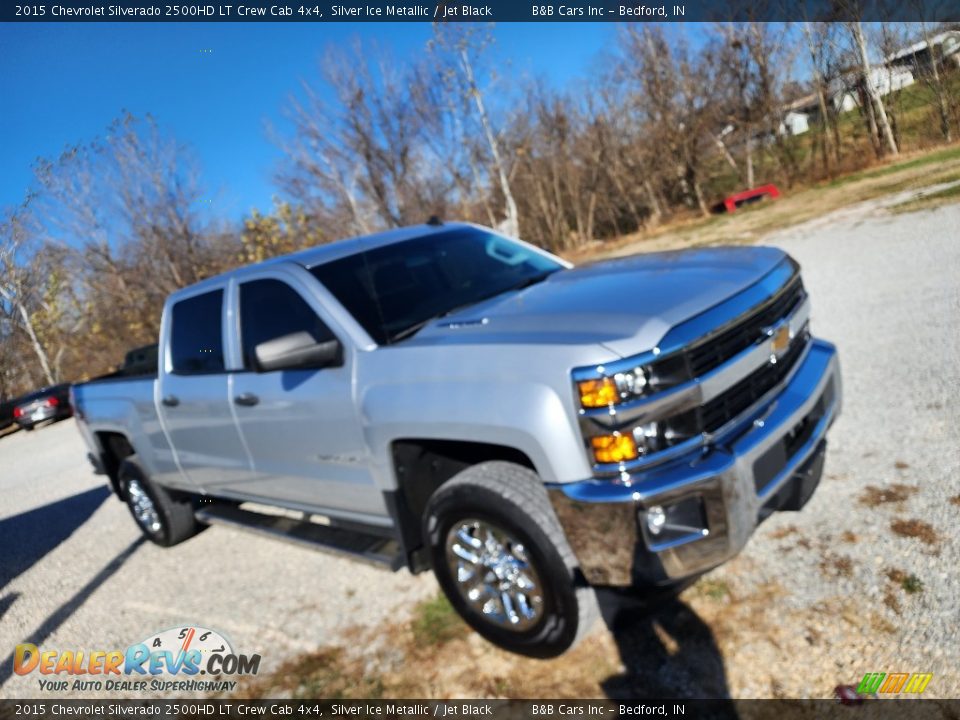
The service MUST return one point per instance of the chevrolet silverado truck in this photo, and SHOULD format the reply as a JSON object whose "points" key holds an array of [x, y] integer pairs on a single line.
{"points": [[443, 397]]}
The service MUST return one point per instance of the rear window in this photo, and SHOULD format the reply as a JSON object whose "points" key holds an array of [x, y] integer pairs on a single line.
{"points": [[196, 338]]}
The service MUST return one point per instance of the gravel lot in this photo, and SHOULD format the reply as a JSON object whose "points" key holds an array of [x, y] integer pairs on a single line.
{"points": [[74, 573], [816, 599]]}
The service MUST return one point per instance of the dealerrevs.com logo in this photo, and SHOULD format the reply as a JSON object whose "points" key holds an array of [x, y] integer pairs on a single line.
{"points": [[173, 660]]}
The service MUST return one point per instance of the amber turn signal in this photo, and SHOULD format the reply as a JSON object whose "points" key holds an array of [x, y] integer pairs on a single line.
{"points": [[598, 393], [613, 448]]}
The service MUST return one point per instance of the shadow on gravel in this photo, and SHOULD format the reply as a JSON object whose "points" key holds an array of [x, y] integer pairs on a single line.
{"points": [[63, 613], [668, 653], [27, 537], [6, 602]]}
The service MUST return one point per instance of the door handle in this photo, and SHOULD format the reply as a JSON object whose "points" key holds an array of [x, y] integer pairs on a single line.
{"points": [[171, 401], [246, 399]]}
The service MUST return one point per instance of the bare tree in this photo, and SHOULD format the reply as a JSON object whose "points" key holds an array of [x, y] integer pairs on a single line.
{"points": [[464, 45], [675, 94], [17, 281]]}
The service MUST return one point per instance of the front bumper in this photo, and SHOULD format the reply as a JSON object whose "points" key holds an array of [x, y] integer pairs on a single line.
{"points": [[772, 460]]}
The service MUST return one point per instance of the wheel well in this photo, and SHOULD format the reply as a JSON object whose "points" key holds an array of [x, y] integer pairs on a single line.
{"points": [[116, 447], [421, 466]]}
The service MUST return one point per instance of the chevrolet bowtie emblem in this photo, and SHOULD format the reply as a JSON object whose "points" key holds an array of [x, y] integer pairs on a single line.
{"points": [[780, 340]]}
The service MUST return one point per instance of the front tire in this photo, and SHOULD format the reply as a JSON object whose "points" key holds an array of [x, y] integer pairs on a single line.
{"points": [[504, 563], [163, 518]]}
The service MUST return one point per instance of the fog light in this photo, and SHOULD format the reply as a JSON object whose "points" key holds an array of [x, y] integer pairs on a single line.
{"points": [[656, 519], [613, 448]]}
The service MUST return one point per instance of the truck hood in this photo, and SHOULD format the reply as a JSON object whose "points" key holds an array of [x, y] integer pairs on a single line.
{"points": [[626, 304]]}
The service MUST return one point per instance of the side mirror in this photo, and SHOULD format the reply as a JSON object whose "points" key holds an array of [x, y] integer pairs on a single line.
{"points": [[297, 351]]}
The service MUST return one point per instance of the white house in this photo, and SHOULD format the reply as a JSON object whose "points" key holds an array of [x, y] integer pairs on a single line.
{"points": [[917, 57]]}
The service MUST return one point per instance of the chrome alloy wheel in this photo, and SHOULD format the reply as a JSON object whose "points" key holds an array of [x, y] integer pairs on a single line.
{"points": [[493, 573], [143, 508]]}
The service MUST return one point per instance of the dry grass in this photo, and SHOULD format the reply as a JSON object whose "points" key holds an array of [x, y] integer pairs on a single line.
{"points": [[925, 201], [955, 500], [797, 205], [781, 533], [873, 496], [848, 536], [631, 660], [836, 565], [918, 529]]}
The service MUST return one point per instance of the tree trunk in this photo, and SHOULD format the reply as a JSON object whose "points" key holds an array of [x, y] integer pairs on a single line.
{"points": [[872, 93], [656, 211], [35, 342], [938, 88], [512, 223], [722, 147]]}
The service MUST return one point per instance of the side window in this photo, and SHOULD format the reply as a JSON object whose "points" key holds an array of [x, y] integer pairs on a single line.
{"points": [[270, 309], [196, 340]]}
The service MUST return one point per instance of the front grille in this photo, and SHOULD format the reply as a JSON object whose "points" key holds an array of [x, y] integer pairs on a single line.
{"points": [[715, 350], [725, 407]]}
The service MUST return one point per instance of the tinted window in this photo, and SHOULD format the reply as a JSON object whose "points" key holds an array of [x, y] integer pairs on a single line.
{"points": [[196, 341], [270, 309], [396, 287]]}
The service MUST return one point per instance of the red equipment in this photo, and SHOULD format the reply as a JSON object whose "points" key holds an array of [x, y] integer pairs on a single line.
{"points": [[732, 202]]}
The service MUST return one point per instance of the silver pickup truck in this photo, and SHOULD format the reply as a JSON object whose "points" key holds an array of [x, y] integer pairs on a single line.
{"points": [[442, 397]]}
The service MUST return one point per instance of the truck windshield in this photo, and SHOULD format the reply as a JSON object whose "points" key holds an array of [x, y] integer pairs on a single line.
{"points": [[394, 290]]}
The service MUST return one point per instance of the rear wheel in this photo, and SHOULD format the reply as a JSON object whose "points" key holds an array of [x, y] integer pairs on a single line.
{"points": [[502, 560], [162, 517]]}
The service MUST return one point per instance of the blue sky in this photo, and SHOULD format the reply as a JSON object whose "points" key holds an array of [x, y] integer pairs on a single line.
{"points": [[63, 83]]}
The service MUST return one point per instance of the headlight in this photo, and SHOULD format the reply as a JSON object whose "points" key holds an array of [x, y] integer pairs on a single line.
{"points": [[607, 391]]}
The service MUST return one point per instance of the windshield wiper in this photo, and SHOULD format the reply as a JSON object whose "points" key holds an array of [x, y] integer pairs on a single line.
{"points": [[418, 326]]}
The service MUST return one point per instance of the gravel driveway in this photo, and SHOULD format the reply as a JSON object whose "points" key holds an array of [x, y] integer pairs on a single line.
{"points": [[863, 580], [74, 573]]}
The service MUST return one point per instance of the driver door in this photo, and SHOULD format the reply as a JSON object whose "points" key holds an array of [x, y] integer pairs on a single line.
{"points": [[301, 426]]}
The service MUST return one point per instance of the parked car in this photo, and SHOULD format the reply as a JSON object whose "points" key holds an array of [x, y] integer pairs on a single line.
{"points": [[442, 397], [51, 403]]}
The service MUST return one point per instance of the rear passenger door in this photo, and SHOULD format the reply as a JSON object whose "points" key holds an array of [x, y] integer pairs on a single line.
{"points": [[305, 438], [194, 399]]}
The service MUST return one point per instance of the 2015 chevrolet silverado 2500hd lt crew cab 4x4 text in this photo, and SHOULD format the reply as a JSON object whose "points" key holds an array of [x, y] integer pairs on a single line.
{"points": [[444, 397]]}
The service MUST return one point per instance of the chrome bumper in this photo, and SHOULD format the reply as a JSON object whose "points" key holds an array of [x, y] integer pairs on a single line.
{"points": [[772, 461]]}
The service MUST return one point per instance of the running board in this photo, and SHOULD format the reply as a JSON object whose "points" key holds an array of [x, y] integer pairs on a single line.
{"points": [[373, 549]]}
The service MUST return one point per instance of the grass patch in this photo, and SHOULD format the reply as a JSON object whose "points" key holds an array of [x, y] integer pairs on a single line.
{"points": [[918, 529], [938, 156], [873, 496], [713, 589], [781, 533], [910, 583], [327, 673], [929, 201], [836, 565], [435, 622]]}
